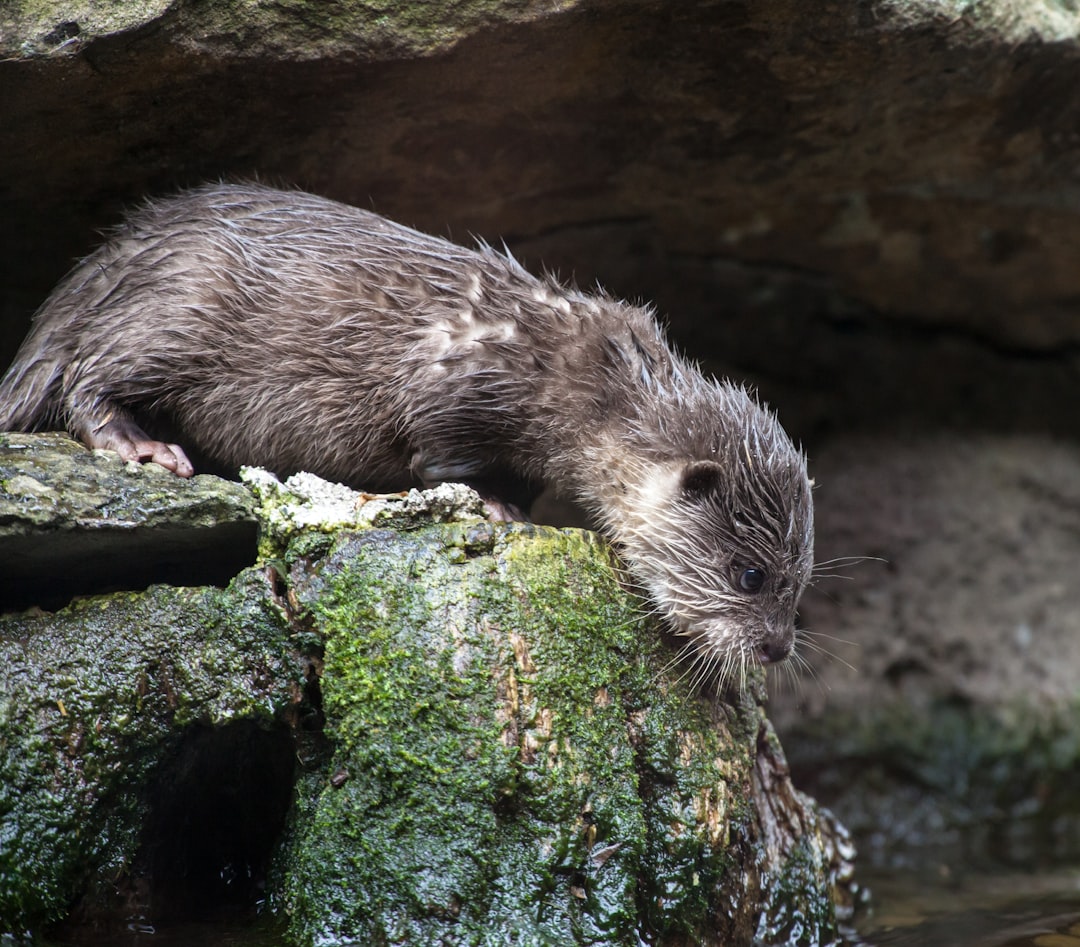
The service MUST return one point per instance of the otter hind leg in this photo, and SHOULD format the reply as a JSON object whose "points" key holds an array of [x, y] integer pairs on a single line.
{"points": [[118, 432]]}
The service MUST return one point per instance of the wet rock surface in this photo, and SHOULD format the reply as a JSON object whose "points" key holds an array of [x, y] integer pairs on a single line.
{"points": [[95, 701], [948, 707], [512, 752], [404, 722], [75, 522]]}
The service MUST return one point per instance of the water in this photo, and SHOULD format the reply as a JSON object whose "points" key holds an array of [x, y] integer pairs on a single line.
{"points": [[955, 896], [940, 908]]}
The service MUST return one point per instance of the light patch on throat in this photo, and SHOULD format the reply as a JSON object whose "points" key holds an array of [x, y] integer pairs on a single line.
{"points": [[658, 486], [650, 489]]}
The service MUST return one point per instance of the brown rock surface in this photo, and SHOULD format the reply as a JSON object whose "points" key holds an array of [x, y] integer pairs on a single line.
{"points": [[970, 590], [947, 709]]}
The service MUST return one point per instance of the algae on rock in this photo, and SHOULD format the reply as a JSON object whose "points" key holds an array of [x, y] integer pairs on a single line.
{"points": [[512, 759], [94, 700], [497, 747]]}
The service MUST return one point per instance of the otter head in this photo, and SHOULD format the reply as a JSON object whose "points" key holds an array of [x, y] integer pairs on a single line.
{"points": [[725, 545], [750, 516]]}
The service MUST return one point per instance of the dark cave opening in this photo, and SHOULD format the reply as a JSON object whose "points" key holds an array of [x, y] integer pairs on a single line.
{"points": [[218, 812]]}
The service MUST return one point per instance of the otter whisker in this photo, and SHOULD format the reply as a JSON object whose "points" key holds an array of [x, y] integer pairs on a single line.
{"points": [[828, 568], [821, 634], [817, 648]]}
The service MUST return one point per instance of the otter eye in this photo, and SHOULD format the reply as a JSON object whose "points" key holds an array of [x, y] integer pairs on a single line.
{"points": [[751, 580]]}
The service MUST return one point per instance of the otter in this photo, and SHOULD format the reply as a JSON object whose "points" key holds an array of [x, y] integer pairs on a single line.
{"points": [[276, 328]]}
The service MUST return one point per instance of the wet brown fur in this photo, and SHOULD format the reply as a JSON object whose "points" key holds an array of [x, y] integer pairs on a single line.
{"points": [[280, 329]]}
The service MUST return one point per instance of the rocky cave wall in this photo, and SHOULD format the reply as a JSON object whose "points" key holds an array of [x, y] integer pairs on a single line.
{"points": [[869, 208]]}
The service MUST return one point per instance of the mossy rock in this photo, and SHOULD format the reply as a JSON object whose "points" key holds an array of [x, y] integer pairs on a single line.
{"points": [[95, 700], [482, 737], [77, 522], [512, 758]]}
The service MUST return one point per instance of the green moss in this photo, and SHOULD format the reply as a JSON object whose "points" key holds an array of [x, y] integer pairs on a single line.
{"points": [[503, 767], [92, 700]]}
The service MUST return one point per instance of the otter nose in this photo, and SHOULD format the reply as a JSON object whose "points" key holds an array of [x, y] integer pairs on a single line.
{"points": [[774, 648]]}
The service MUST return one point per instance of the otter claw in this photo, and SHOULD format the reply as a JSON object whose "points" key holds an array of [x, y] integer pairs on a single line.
{"points": [[169, 456], [132, 443], [503, 512]]}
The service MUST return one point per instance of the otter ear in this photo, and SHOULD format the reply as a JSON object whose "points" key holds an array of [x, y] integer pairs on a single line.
{"points": [[701, 478]]}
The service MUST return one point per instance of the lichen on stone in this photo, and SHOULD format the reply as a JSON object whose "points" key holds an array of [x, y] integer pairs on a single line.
{"points": [[305, 502]]}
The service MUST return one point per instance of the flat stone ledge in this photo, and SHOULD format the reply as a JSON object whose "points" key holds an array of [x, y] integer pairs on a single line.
{"points": [[78, 522]]}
